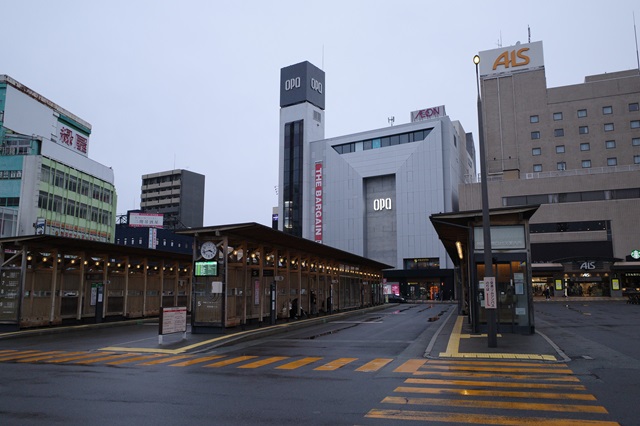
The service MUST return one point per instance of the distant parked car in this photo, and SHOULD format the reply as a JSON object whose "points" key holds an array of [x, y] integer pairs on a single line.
{"points": [[396, 299]]}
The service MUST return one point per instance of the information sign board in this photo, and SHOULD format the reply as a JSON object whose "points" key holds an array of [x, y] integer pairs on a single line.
{"points": [[490, 296]]}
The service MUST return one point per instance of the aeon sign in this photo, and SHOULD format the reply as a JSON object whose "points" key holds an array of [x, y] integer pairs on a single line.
{"points": [[427, 113], [292, 83], [380, 204]]}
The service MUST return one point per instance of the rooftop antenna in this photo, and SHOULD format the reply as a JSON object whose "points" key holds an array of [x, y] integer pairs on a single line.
{"points": [[499, 43], [391, 120], [636, 34], [529, 31]]}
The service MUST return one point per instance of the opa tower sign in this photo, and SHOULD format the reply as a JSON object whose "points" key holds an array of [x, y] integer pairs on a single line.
{"points": [[303, 82]]}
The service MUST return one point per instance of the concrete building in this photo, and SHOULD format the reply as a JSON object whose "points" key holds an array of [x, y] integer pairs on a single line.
{"points": [[48, 183], [371, 193], [575, 150], [177, 194]]}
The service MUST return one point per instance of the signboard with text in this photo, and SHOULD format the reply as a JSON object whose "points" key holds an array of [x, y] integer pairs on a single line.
{"points": [[507, 60], [490, 296]]}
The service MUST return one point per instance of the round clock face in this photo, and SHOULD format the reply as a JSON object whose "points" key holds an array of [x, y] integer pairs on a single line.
{"points": [[208, 250]]}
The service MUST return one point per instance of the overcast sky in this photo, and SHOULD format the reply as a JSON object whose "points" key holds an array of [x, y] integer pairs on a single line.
{"points": [[195, 84]]}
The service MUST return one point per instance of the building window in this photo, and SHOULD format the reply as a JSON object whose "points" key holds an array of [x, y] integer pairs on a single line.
{"points": [[558, 132], [607, 110], [635, 142], [582, 113], [535, 135], [636, 159], [537, 167], [583, 130], [634, 107], [557, 116], [561, 165], [534, 119], [608, 127], [586, 164], [610, 144], [560, 149], [612, 161], [635, 124], [585, 147], [536, 151]]}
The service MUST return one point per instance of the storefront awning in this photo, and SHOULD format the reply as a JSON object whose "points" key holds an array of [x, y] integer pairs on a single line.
{"points": [[626, 266]]}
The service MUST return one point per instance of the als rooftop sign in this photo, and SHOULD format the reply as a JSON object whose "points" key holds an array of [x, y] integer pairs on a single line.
{"points": [[507, 60]]}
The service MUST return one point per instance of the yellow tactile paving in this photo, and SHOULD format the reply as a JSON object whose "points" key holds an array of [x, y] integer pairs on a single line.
{"points": [[453, 348]]}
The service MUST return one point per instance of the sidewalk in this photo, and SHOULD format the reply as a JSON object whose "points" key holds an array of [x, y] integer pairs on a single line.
{"points": [[454, 340]]}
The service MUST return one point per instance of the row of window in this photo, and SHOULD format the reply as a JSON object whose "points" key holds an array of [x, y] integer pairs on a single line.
{"points": [[584, 130], [585, 146], [572, 197], [10, 174], [398, 139], [582, 113], [585, 164], [76, 184], [57, 204], [9, 201]]}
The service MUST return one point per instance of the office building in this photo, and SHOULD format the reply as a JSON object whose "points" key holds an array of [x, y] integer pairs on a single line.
{"points": [[575, 151], [176, 194], [48, 183], [371, 193]]}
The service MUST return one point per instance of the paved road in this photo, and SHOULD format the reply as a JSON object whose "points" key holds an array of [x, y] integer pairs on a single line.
{"points": [[367, 369]]}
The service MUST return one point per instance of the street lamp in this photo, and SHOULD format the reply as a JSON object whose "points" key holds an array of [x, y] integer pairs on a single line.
{"points": [[489, 277]]}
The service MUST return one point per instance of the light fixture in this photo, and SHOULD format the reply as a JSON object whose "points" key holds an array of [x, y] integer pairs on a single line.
{"points": [[29, 258], [459, 247]]}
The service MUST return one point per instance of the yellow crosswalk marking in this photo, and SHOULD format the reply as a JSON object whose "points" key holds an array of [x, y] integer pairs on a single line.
{"points": [[299, 363], [196, 361], [165, 360], [77, 357], [101, 359], [230, 361], [20, 354], [335, 364], [499, 394], [553, 377], [484, 419], [134, 359], [495, 384], [523, 369], [49, 356], [410, 366], [497, 363], [469, 403], [374, 365], [263, 362]]}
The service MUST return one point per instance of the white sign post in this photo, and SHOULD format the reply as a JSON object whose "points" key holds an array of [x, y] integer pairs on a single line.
{"points": [[490, 296]]}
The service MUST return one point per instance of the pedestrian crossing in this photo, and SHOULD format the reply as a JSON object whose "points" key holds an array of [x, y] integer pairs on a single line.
{"points": [[490, 393], [244, 362]]}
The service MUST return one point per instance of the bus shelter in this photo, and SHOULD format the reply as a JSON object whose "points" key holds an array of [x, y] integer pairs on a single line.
{"points": [[48, 280], [462, 235], [249, 273]]}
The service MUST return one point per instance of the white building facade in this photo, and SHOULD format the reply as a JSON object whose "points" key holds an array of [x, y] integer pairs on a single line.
{"points": [[371, 193], [48, 183]]}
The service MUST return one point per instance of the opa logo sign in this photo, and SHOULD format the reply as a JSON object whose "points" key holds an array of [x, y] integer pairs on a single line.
{"points": [[382, 204], [292, 83], [316, 85]]}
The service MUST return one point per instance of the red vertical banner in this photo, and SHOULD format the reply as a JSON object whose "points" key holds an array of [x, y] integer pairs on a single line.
{"points": [[317, 213]]}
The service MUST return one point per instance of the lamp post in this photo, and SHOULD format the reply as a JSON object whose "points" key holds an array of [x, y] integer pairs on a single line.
{"points": [[489, 277]]}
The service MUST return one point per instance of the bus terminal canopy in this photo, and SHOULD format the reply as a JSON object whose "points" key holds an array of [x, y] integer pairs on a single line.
{"points": [[258, 234]]}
